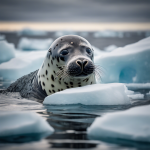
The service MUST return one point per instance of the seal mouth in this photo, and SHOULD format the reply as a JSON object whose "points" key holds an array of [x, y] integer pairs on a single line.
{"points": [[82, 74]]}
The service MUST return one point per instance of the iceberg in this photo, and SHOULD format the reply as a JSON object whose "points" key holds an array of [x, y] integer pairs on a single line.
{"points": [[22, 64], [29, 44], [22, 123], [130, 64], [7, 51], [132, 124], [96, 94]]}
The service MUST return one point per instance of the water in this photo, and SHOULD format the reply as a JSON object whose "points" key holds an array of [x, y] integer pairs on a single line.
{"points": [[70, 123]]}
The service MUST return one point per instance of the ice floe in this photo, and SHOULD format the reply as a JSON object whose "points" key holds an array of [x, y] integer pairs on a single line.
{"points": [[7, 51], [22, 65], [97, 94], [132, 124], [31, 32], [110, 48], [29, 44], [130, 64], [20, 123]]}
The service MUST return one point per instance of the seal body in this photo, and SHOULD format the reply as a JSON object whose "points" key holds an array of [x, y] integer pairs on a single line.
{"points": [[68, 64]]}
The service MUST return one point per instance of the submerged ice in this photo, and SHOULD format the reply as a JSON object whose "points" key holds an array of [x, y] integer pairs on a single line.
{"points": [[132, 124], [96, 94]]}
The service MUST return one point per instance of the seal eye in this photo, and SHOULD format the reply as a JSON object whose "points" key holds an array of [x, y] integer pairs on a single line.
{"points": [[89, 51], [64, 52]]}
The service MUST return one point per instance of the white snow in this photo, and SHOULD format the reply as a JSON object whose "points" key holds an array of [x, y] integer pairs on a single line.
{"points": [[31, 32], [7, 51], [23, 64], [108, 33], [130, 64], [132, 124], [19, 123], [28, 44], [97, 94]]}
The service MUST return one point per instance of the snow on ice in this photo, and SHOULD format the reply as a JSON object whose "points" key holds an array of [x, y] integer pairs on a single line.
{"points": [[96, 94], [132, 124]]}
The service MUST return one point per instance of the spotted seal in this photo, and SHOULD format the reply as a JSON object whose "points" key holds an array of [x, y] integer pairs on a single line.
{"points": [[68, 64]]}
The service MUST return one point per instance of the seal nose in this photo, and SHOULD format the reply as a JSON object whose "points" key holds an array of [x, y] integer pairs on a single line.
{"points": [[82, 63]]}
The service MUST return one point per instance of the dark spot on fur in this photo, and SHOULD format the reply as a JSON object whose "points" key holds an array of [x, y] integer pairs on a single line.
{"points": [[53, 58], [59, 78], [50, 91], [52, 85], [67, 86], [43, 75], [46, 72], [72, 86], [48, 65], [43, 83], [54, 72], [57, 45], [53, 91], [52, 77], [71, 83], [51, 62], [79, 83], [47, 78], [91, 82], [58, 89], [61, 89], [59, 82], [58, 59], [87, 80], [61, 39], [66, 83]]}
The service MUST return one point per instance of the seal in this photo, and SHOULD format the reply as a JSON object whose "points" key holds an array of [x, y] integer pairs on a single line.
{"points": [[68, 64]]}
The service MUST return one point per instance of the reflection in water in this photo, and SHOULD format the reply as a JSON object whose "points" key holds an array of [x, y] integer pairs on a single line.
{"points": [[70, 123]]}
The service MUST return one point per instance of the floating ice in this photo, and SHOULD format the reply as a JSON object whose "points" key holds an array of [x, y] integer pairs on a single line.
{"points": [[110, 48], [138, 86], [22, 65], [108, 33], [130, 64], [136, 96], [97, 94], [31, 32], [20, 123], [132, 124], [29, 44], [7, 51]]}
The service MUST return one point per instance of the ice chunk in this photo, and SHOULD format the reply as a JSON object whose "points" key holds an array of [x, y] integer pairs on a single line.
{"points": [[22, 65], [20, 123], [132, 124], [31, 32], [136, 96], [138, 86], [7, 51], [110, 48], [108, 33], [130, 64], [29, 44], [97, 94]]}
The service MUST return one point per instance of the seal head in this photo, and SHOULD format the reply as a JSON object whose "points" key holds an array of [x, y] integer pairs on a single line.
{"points": [[68, 64]]}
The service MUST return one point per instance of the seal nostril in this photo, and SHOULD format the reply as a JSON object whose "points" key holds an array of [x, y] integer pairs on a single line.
{"points": [[85, 62], [79, 62]]}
